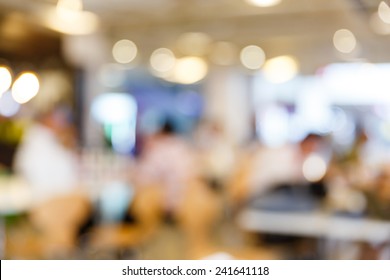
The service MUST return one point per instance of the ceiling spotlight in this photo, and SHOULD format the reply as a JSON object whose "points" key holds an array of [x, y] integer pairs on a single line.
{"points": [[5, 79], [68, 17], [25, 87], [264, 3], [162, 60], [344, 41], [384, 12], [188, 70], [69, 6], [252, 57], [124, 51], [280, 69]]}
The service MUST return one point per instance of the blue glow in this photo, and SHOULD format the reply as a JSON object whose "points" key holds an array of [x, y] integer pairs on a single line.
{"points": [[8, 106], [112, 108]]}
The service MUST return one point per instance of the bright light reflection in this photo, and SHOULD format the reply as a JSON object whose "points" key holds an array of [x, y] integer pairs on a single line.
{"points": [[124, 51], [252, 57], [357, 83], [75, 5], [162, 60], [68, 17], [280, 69], [314, 168], [344, 41], [65, 6], [272, 126], [25, 87], [5, 79], [313, 107], [189, 70], [119, 112], [384, 12], [264, 3], [111, 108], [75, 23]]}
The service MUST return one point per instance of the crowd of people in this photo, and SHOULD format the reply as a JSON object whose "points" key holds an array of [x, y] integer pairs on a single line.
{"points": [[194, 184]]}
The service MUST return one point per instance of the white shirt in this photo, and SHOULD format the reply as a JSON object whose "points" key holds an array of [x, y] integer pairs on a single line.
{"points": [[48, 167]]}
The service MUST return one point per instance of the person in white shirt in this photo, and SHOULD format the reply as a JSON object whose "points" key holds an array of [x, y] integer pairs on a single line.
{"points": [[48, 166]]}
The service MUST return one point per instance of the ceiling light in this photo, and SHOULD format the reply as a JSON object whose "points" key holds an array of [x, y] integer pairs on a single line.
{"points": [[344, 41], [69, 5], [162, 61], [25, 87], [264, 3], [72, 22], [124, 51], [384, 12], [252, 57], [5, 79], [280, 69], [188, 70]]}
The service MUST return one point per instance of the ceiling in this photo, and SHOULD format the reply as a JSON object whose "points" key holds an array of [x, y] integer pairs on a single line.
{"points": [[303, 28]]}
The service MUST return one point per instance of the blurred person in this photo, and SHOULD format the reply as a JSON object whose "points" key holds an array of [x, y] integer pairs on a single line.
{"points": [[49, 166], [44, 157], [343, 197], [216, 157], [283, 179], [168, 163], [351, 177], [216, 153], [358, 163], [262, 168]]}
